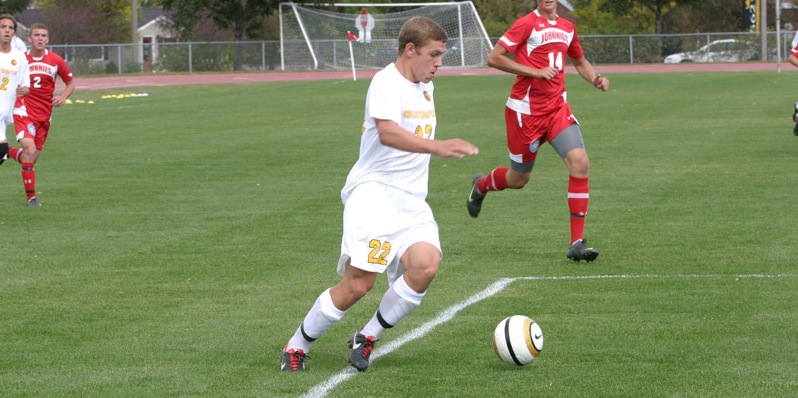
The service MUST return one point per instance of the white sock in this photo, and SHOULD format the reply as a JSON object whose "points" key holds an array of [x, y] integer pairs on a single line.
{"points": [[397, 302], [321, 317]]}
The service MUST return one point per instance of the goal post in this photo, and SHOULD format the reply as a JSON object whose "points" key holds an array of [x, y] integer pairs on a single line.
{"points": [[318, 36]]}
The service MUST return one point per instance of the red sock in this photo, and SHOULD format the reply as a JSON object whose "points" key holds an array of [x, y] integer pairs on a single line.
{"points": [[29, 179], [578, 195], [496, 180], [14, 152]]}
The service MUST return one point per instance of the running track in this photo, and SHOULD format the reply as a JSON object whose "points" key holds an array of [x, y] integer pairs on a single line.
{"points": [[129, 81]]}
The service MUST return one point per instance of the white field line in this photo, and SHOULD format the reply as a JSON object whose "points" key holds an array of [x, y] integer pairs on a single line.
{"points": [[321, 389]]}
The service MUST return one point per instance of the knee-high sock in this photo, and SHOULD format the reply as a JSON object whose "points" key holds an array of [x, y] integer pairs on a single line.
{"points": [[578, 197], [29, 179], [496, 180], [398, 301], [14, 152], [321, 317]]}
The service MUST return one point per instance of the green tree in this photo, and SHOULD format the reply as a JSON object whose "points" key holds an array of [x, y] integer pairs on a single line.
{"points": [[648, 9], [498, 15], [13, 6], [594, 19], [243, 18], [86, 21]]}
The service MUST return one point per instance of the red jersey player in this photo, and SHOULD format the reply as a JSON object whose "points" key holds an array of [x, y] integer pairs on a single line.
{"points": [[537, 112], [32, 115]]}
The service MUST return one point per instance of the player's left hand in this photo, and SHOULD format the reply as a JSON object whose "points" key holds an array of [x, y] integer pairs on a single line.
{"points": [[601, 83], [58, 101]]}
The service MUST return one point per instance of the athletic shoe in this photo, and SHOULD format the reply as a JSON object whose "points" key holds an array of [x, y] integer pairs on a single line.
{"points": [[579, 251], [32, 202], [293, 360], [361, 350], [795, 130], [474, 202]]}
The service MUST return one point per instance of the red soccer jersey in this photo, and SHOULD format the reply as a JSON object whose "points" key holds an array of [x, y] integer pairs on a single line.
{"points": [[537, 42], [39, 101]]}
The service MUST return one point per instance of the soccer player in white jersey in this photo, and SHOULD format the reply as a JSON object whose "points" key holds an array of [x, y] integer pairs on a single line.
{"points": [[388, 225], [793, 58], [14, 81], [33, 114], [537, 112]]}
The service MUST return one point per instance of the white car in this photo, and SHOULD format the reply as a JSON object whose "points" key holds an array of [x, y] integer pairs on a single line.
{"points": [[726, 50]]}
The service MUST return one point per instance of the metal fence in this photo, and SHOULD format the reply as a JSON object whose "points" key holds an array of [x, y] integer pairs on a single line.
{"points": [[192, 57]]}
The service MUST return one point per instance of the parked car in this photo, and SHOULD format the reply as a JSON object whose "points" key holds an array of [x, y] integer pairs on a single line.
{"points": [[726, 50]]}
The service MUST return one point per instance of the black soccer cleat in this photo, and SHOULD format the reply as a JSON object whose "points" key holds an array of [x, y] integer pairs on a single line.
{"points": [[293, 360], [795, 119], [579, 251], [474, 202], [361, 350]]}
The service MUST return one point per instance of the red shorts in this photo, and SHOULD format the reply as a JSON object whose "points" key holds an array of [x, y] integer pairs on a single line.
{"points": [[33, 129], [523, 130]]}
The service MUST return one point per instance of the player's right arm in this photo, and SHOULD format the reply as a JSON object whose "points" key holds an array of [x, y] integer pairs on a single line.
{"points": [[394, 136], [499, 58]]}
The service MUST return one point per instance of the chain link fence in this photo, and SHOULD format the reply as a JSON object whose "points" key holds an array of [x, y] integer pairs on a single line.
{"points": [[195, 57]]}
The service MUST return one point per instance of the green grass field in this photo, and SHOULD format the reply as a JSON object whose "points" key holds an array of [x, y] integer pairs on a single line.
{"points": [[185, 234]]}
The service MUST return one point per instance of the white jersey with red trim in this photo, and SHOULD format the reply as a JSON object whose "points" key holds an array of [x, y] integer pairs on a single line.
{"points": [[13, 73], [38, 105], [794, 50], [538, 42]]}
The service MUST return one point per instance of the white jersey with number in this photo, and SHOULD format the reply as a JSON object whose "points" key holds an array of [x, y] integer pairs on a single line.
{"points": [[392, 97], [13, 73]]}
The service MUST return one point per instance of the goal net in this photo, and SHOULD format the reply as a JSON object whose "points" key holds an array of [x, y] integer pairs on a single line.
{"points": [[315, 36]]}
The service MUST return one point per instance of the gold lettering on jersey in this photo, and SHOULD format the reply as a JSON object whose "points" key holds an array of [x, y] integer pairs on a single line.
{"points": [[12, 72], [411, 114]]}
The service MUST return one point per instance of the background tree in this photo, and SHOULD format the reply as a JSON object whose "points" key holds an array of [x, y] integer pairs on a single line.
{"points": [[498, 15], [243, 18], [86, 21], [645, 9], [594, 19], [705, 16], [13, 6]]}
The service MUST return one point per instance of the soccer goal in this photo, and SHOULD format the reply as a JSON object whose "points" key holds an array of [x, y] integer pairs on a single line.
{"points": [[318, 36]]}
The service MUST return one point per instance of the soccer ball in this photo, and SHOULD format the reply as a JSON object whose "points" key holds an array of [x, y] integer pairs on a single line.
{"points": [[517, 340]]}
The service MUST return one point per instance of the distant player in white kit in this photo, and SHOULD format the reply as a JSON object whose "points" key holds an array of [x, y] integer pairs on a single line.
{"points": [[14, 80], [388, 225]]}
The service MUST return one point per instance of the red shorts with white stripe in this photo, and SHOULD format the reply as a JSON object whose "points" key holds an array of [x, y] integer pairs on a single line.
{"points": [[524, 130]]}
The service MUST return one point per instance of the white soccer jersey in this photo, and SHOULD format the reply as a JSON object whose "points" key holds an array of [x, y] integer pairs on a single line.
{"points": [[411, 106], [13, 73]]}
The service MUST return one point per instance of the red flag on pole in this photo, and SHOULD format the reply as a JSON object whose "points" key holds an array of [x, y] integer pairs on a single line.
{"points": [[350, 36]]}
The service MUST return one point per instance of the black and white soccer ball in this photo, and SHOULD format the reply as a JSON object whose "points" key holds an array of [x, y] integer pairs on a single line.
{"points": [[518, 340]]}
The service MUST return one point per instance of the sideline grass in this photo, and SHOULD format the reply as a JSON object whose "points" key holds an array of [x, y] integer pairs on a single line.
{"points": [[185, 234]]}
